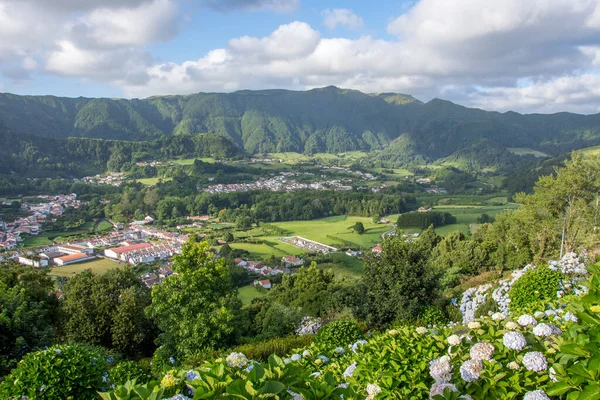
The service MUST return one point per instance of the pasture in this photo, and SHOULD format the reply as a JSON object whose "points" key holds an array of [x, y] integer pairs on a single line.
{"points": [[98, 266], [152, 181], [248, 293]]}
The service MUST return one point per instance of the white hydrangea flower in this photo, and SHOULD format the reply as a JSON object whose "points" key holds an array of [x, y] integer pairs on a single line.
{"points": [[295, 396], [470, 370], [437, 389], [340, 350], [296, 357], [526, 320], [306, 353], [287, 361], [570, 317], [539, 314], [536, 395], [498, 316], [373, 390], [482, 351], [511, 325], [421, 330], [535, 361], [453, 340], [513, 365], [555, 330], [350, 370], [542, 330], [323, 358], [440, 369], [514, 340], [238, 360], [552, 374], [474, 325], [356, 345], [393, 332], [550, 313]]}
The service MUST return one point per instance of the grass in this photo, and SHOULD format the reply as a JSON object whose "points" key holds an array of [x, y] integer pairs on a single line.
{"points": [[98, 266], [190, 161], [104, 226], [466, 216], [249, 293], [335, 231], [590, 151], [343, 266], [523, 151], [268, 249], [152, 181]]}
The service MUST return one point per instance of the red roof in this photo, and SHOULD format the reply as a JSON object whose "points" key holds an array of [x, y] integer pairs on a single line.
{"points": [[377, 248], [72, 257], [265, 282], [133, 247]]}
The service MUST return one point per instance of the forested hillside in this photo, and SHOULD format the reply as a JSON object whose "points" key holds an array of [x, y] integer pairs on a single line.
{"points": [[401, 128], [22, 153]]}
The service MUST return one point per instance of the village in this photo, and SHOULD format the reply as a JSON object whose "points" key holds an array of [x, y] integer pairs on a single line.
{"points": [[39, 213], [279, 183]]}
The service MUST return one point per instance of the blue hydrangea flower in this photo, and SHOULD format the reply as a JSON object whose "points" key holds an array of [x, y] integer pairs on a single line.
{"points": [[172, 360], [191, 375]]}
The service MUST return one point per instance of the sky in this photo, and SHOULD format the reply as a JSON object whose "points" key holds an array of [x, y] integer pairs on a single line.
{"points": [[527, 56]]}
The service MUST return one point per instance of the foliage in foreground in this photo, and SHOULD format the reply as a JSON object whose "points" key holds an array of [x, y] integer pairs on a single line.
{"points": [[554, 353]]}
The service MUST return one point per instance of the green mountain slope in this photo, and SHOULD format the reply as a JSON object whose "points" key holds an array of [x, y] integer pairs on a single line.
{"points": [[330, 119]]}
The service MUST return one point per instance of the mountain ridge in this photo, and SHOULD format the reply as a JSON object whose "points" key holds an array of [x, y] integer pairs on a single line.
{"points": [[326, 119]]}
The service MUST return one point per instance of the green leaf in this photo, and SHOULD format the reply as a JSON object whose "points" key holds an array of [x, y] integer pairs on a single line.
{"points": [[558, 388], [272, 387], [591, 392]]}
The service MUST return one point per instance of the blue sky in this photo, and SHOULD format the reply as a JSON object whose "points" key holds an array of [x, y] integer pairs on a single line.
{"points": [[537, 56]]}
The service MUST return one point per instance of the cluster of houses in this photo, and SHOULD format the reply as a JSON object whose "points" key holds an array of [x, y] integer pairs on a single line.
{"points": [[279, 183], [436, 190], [38, 214], [308, 245], [142, 253], [363, 175], [150, 279], [113, 179]]}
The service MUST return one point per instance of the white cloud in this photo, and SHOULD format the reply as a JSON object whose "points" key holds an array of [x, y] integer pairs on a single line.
{"points": [[147, 23], [342, 16], [538, 55]]}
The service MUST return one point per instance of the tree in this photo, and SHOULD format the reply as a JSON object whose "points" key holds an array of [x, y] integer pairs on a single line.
{"points": [[108, 310], [359, 228], [398, 282], [308, 290], [28, 313], [228, 237], [196, 308]]}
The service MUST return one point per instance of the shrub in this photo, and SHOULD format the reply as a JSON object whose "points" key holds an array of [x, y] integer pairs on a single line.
{"points": [[162, 360], [65, 371], [540, 284], [339, 333], [129, 370], [453, 312], [433, 316], [489, 305], [260, 351]]}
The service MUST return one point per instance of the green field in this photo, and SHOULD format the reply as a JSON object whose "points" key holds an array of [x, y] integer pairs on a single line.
{"points": [[343, 266], [398, 172], [97, 266], [152, 181], [104, 226], [271, 247], [334, 231], [523, 151], [248, 293], [190, 161]]}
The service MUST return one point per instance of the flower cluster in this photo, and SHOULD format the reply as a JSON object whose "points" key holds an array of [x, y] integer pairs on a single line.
{"points": [[514, 341], [440, 369], [309, 326], [237, 360], [471, 300]]}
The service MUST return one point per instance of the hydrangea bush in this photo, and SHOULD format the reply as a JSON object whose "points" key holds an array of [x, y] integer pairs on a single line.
{"points": [[552, 353]]}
